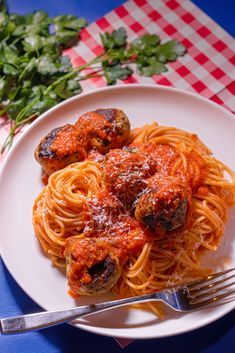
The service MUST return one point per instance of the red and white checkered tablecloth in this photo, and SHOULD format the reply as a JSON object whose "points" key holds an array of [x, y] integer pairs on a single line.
{"points": [[208, 68]]}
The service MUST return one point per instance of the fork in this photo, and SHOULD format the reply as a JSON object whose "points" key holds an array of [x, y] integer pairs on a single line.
{"points": [[188, 297]]}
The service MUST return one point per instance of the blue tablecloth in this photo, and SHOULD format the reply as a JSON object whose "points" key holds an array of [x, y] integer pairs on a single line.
{"points": [[218, 337]]}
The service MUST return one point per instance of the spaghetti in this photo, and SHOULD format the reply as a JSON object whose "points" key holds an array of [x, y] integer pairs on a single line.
{"points": [[88, 213]]}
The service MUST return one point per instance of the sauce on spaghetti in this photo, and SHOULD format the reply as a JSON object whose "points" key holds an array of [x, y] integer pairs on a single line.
{"points": [[136, 211], [108, 219], [128, 173]]}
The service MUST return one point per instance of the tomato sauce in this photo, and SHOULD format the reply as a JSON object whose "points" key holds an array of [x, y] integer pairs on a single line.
{"points": [[110, 220], [67, 141], [112, 227], [89, 138]]}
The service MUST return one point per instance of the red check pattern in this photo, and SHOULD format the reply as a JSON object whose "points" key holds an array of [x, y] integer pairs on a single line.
{"points": [[207, 69]]}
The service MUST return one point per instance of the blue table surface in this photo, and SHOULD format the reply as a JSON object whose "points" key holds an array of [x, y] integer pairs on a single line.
{"points": [[218, 337]]}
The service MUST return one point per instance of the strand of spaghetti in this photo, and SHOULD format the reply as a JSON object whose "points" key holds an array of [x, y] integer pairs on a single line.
{"points": [[214, 200], [62, 211], [63, 193], [161, 134], [143, 255], [203, 209], [138, 286]]}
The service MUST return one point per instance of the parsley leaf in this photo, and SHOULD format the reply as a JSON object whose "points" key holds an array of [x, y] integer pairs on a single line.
{"points": [[66, 38], [39, 17], [14, 109], [32, 43], [153, 67], [151, 56], [69, 22], [170, 51], [28, 69], [46, 65], [145, 42], [10, 69], [45, 103], [114, 72], [8, 53], [6, 26], [67, 28], [74, 87], [3, 88], [115, 40]]}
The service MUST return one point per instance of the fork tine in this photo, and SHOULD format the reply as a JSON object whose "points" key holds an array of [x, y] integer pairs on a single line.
{"points": [[199, 304], [209, 293], [208, 278], [194, 290]]}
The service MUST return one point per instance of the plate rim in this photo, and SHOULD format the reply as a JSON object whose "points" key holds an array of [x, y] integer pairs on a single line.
{"points": [[88, 328]]}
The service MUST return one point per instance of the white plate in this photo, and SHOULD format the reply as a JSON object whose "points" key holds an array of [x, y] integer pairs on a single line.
{"points": [[20, 183]]}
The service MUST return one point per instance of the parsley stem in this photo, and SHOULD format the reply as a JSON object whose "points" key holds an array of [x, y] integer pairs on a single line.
{"points": [[70, 74], [5, 144], [25, 110], [89, 77], [16, 40], [96, 60], [19, 122], [74, 70], [9, 139], [93, 67]]}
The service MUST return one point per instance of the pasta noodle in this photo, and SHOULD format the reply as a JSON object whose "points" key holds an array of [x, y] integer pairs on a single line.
{"points": [[62, 211]]}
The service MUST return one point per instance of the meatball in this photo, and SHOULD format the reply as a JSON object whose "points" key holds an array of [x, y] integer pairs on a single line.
{"points": [[62, 146], [163, 205], [91, 267], [164, 156], [104, 276], [104, 129], [100, 130], [126, 171]]}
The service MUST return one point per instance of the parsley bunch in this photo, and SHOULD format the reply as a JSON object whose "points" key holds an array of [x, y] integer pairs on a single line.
{"points": [[35, 75]]}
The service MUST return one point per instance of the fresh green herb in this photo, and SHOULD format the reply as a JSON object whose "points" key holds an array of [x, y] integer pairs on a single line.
{"points": [[115, 71], [35, 75], [151, 67], [115, 40], [170, 51], [67, 28], [151, 55], [3, 6]]}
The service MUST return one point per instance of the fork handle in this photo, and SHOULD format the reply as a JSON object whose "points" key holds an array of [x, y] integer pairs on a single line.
{"points": [[37, 321]]}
